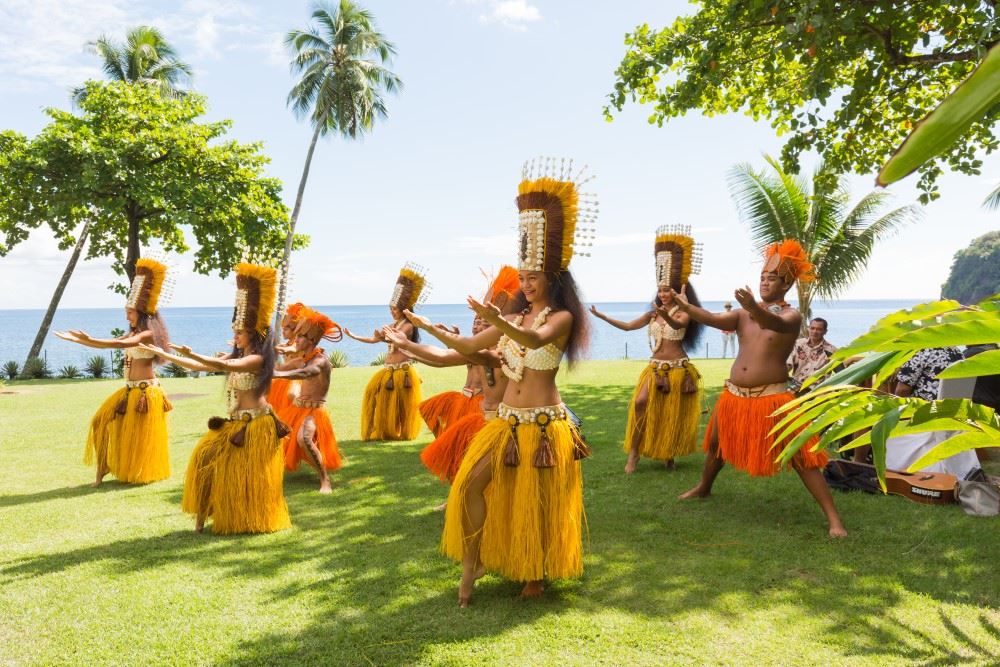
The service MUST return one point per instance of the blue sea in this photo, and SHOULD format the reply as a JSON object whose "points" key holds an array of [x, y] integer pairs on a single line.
{"points": [[207, 329]]}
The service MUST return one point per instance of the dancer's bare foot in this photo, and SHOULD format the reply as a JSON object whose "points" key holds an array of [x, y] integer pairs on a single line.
{"points": [[99, 479], [630, 464], [466, 585], [199, 525], [533, 589], [324, 486], [669, 464], [442, 507], [696, 492]]}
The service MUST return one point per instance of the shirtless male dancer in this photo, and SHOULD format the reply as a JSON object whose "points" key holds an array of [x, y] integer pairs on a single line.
{"points": [[757, 386], [312, 436]]}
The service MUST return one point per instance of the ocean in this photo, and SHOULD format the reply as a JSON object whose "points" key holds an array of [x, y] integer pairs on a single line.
{"points": [[207, 330]]}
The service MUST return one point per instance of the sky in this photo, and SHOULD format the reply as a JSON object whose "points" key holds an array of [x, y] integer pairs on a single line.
{"points": [[488, 84]]}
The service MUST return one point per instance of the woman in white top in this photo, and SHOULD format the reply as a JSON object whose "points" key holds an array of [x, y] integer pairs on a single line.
{"points": [[128, 433]]}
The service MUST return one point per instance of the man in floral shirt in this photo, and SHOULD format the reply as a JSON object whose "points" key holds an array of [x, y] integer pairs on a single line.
{"points": [[918, 376], [810, 354]]}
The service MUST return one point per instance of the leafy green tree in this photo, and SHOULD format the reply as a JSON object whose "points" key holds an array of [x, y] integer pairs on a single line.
{"points": [[838, 237], [975, 273], [140, 168], [846, 79], [145, 57], [341, 60]]}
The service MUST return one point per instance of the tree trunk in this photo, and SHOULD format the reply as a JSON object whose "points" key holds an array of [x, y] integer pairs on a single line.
{"points": [[43, 329], [805, 307], [286, 260], [133, 242]]}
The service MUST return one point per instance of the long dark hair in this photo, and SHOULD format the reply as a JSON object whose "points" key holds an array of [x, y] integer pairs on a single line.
{"points": [[264, 346], [564, 295], [694, 329], [154, 323]]}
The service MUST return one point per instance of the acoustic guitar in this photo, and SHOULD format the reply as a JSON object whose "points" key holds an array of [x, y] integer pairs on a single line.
{"points": [[927, 488]]}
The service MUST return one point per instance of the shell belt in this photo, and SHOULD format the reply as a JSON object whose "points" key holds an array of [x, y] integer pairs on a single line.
{"points": [[542, 417]]}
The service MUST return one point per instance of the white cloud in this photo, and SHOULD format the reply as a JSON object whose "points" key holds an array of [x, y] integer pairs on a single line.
{"points": [[513, 14]]}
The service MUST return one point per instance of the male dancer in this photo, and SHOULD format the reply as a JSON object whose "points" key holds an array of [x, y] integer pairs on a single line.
{"points": [[757, 386], [311, 437]]}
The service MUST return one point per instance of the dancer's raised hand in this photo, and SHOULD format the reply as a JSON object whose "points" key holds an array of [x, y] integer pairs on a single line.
{"points": [[744, 296], [488, 311], [183, 350], [394, 336], [418, 321]]}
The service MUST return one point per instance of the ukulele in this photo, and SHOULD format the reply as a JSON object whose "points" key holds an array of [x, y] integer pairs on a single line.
{"points": [[927, 488]]}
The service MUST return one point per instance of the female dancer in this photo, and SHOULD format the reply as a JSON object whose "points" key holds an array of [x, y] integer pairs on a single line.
{"points": [[128, 434], [390, 407], [236, 470], [442, 410], [516, 504], [666, 406]]}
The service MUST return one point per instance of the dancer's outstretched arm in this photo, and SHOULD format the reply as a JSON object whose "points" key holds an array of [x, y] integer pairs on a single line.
{"points": [[199, 362], [785, 320], [724, 321], [434, 356], [637, 323], [376, 337], [557, 326], [312, 369], [463, 344], [83, 338]]}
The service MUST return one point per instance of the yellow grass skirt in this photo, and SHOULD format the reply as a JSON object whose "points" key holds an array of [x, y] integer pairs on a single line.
{"points": [[390, 409], [238, 486], [669, 426], [534, 515], [131, 446]]}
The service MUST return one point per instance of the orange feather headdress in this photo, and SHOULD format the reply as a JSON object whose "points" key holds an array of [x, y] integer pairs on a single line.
{"points": [[503, 288], [555, 218], [789, 260], [314, 325]]}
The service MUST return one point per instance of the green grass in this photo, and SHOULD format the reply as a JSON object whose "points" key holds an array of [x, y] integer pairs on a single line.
{"points": [[748, 577]]}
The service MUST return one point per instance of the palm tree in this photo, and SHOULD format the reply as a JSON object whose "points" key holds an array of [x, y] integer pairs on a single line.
{"points": [[343, 79], [145, 57], [838, 238]]}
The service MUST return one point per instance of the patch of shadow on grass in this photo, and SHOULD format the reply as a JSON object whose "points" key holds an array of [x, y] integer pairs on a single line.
{"points": [[109, 486], [889, 636]]}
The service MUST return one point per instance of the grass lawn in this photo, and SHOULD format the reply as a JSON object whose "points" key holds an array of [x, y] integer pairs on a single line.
{"points": [[117, 575]]}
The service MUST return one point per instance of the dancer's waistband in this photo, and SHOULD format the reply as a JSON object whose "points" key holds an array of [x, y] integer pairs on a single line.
{"points": [[489, 414], [540, 414], [300, 402], [756, 392], [469, 392], [668, 363], [142, 384], [402, 364], [249, 413]]}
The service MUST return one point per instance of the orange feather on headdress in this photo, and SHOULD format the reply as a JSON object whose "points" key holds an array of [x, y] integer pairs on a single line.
{"points": [[789, 260], [316, 325]]}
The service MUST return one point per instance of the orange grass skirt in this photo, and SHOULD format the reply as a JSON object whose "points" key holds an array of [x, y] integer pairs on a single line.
{"points": [[443, 456], [281, 393], [743, 425], [442, 410], [324, 437]]}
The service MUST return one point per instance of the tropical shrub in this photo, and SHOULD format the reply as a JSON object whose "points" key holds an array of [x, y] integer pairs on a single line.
{"points": [[379, 360], [36, 368], [97, 366], [338, 359], [69, 372], [11, 370], [175, 370]]}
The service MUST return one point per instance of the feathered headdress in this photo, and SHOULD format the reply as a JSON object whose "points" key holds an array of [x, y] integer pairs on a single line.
{"points": [[789, 260], [315, 325], [151, 286], [293, 312], [555, 218], [503, 288], [256, 287], [677, 255], [411, 287]]}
